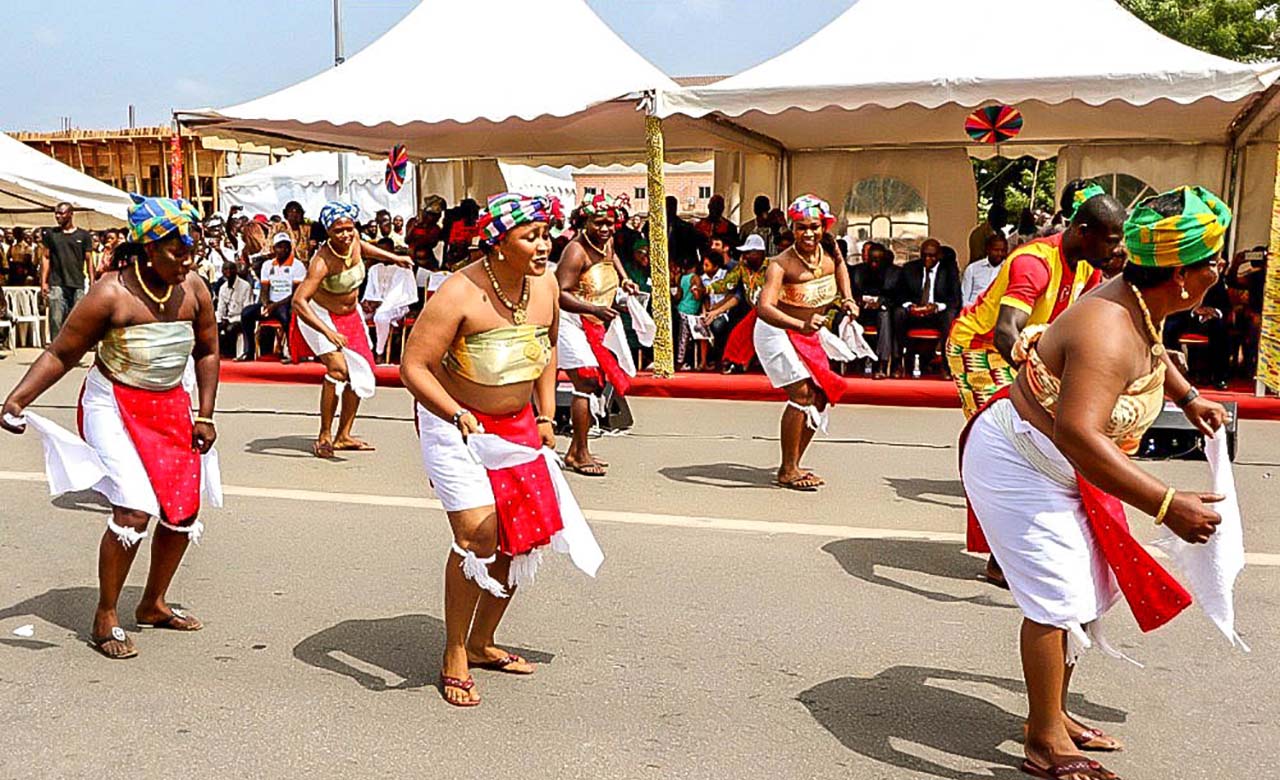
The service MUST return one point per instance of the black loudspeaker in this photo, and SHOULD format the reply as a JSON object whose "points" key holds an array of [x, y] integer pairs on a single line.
{"points": [[618, 417], [1173, 437]]}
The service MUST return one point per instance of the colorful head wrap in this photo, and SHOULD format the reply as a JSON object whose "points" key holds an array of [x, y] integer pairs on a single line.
{"points": [[811, 207], [335, 210], [1197, 234], [1092, 190], [601, 204], [151, 219], [510, 210]]}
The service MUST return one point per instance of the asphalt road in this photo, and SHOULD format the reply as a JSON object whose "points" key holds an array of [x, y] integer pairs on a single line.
{"points": [[735, 631]]}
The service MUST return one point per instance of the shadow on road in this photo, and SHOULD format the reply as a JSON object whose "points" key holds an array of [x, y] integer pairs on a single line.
{"points": [[285, 447], [69, 608], [868, 560], [915, 489], [406, 646], [83, 501], [732, 476], [874, 716]]}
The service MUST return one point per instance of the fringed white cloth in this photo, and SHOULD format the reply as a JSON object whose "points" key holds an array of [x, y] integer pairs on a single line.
{"points": [[127, 537], [596, 403], [851, 333], [359, 372], [1031, 513], [1211, 569], [779, 359], [641, 322], [575, 538], [105, 460], [817, 419], [195, 531], [476, 569]]}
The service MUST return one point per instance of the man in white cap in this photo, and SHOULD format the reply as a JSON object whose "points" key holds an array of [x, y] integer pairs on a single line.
{"points": [[741, 286], [280, 276]]}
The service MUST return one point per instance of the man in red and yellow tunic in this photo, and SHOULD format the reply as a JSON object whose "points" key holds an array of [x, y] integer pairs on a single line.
{"points": [[1037, 283]]}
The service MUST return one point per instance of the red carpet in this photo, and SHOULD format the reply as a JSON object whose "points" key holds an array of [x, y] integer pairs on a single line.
{"points": [[931, 393]]}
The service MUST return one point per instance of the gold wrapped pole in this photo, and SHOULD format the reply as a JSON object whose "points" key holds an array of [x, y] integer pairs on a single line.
{"points": [[1269, 341], [663, 357]]}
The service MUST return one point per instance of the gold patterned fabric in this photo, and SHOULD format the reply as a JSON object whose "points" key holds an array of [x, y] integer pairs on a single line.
{"points": [[813, 294], [345, 281], [150, 356], [1135, 411], [502, 356], [598, 285]]}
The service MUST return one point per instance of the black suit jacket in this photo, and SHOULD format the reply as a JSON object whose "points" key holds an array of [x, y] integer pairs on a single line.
{"points": [[865, 280], [946, 284]]}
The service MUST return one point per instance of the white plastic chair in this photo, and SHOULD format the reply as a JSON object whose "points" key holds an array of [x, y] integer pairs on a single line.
{"points": [[24, 311]]}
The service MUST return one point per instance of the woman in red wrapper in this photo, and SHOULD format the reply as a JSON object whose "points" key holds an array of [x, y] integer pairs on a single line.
{"points": [[482, 347], [1045, 466], [138, 444], [328, 324], [800, 286]]}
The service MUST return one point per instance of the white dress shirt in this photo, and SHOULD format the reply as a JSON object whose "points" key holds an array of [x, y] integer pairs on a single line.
{"points": [[975, 280]]}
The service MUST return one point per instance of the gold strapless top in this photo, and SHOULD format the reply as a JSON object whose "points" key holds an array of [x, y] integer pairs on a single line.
{"points": [[344, 281], [502, 356], [1135, 411], [598, 285], [813, 294], [148, 357]]}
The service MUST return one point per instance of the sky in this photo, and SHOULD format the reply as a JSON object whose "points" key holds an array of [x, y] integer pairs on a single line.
{"points": [[89, 59]]}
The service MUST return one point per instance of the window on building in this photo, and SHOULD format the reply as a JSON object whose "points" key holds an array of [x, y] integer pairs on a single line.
{"points": [[883, 207], [704, 191], [641, 193], [589, 191], [1129, 190]]}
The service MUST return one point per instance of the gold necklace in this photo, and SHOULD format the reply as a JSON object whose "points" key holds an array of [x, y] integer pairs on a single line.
{"points": [[159, 300], [814, 267], [344, 258], [604, 251], [1157, 347], [518, 315]]}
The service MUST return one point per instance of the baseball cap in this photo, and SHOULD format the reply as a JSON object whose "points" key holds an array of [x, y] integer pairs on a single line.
{"points": [[755, 243], [281, 238]]}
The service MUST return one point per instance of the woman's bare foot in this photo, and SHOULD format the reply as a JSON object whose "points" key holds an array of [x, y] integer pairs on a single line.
{"points": [[492, 657], [454, 666], [323, 447], [799, 480], [164, 616], [1058, 752], [587, 467], [109, 638], [350, 443]]}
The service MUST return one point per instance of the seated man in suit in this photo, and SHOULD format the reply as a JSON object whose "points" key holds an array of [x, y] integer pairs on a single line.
{"points": [[928, 294], [874, 285]]}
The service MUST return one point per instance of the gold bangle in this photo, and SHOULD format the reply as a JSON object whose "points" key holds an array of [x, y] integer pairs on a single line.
{"points": [[208, 420], [542, 418], [1164, 505]]}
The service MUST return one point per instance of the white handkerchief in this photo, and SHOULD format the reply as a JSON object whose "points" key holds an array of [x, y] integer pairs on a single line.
{"points": [[641, 322], [834, 347], [1211, 569], [851, 334]]}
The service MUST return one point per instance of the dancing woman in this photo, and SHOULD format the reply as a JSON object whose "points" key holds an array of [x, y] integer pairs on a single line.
{"points": [[138, 444], [327, 323], [800, 286], [482, 347], [1044, 463]]}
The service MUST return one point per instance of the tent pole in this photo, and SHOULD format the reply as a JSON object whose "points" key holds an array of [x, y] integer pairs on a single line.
{"points": [[1268, 372], [663, 357]]}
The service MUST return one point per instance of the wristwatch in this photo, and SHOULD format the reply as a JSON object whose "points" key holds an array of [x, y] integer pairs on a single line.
{"points": [[458, 415]]}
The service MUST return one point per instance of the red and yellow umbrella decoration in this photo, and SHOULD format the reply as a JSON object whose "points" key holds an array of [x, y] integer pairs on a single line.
{"points": [[397, 168], [993, 124]]}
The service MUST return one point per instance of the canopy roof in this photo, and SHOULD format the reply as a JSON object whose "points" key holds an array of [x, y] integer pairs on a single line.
{"points": [[550, 81], [32, 183], [310, 169], [911, 70]]}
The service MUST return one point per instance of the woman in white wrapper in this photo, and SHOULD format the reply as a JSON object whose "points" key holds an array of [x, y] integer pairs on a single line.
{"points": [[138, 444], [481, 349], [1045, 466]]}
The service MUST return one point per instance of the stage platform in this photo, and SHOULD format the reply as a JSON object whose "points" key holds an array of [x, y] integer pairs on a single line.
{"points": [[925, 392]]}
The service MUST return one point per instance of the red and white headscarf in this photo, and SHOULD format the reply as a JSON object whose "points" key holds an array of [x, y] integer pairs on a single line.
{"points": [[509, 210], [811, 207]]}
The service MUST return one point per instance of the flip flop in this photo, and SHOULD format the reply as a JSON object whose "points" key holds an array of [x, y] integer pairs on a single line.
{"points": [[323, 449], [178, 621], [501, 665], [462, 685], [355, 446], [591, 469], [805, 483], [1085, 741], [117, 635], [1057, 771]]}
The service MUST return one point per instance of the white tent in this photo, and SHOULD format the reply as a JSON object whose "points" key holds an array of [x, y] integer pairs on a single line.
{"points": [[547, 80], [542, 180], [883, 91], [32, 183], [311, 178]]}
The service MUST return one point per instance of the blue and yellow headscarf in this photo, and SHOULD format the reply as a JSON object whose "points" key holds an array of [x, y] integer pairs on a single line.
{"points": [[335, 210], [1197, 234], [151, 219]]}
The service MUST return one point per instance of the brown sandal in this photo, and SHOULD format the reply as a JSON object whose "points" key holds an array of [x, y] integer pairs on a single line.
{"points": [[1075, 766], [117, 635], [323, 449], [501, 665], [805, 483]]}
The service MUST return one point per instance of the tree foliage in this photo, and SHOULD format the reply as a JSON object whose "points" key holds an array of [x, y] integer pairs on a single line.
{"points": [[1243, 30]]}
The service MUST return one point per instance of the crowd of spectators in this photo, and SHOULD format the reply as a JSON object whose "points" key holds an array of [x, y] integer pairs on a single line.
{"points": [[904, 288]]}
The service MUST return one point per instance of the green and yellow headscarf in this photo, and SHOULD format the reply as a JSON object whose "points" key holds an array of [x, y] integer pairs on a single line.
{"points": [[1197, 234], [1092, 190]]}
